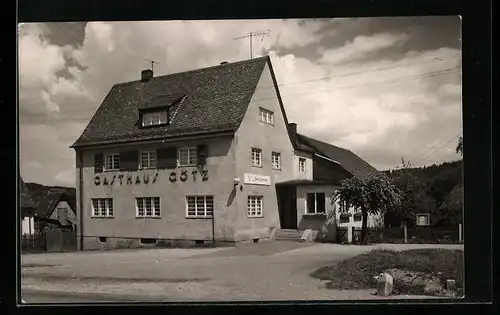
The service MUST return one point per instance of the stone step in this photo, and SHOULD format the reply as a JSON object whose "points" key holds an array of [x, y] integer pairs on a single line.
{"points": [[288, 235]]}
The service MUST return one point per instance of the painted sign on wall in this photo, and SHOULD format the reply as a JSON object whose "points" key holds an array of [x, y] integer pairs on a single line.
{"points": [[256, 179], [146, 177]]}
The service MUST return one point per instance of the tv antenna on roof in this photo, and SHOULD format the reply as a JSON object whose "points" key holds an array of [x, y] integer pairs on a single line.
{"points": [[250, 37], [152, 63]]}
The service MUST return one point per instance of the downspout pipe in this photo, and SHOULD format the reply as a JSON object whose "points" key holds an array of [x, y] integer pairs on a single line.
{"points": [[80, 194]]}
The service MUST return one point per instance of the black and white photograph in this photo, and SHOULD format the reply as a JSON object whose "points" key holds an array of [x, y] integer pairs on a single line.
{"points": [[241, 160]]}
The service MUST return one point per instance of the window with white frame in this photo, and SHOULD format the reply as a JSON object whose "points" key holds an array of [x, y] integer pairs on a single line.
{"points": [[266, 116], [276, 160], [254, 206], [316, 203], [199, 206], [187, 156], [256, 157], [302, 165], [147, 159], [147, 207], [155, 118], [112, 162], [102, 207]]}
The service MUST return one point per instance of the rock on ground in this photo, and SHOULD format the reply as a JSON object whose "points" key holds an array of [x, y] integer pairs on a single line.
{"points": [[417, 283]]}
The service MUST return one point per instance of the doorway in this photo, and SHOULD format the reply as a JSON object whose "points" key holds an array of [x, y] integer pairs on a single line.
{"points": [[287, 206]]}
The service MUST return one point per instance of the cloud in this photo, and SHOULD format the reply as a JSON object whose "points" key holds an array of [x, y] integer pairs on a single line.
{"points": [[379, 108], [361, 46]]}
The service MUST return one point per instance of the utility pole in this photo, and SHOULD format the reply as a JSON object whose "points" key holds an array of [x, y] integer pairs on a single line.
{"points": [[152, 63], [250, 36]]}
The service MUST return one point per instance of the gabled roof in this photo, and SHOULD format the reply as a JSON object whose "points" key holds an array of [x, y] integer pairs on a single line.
{"points": [[48, 203], [26, 200], [347, 159], [206, 100]]}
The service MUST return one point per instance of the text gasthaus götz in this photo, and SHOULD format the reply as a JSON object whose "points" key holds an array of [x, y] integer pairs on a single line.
{"points": [[147, 178]]}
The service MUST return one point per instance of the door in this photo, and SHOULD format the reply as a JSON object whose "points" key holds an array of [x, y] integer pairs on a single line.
{"points": [[287, 206]]}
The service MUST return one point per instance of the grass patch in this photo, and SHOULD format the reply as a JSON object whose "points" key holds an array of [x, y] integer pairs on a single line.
{"points": [[358, 272]]}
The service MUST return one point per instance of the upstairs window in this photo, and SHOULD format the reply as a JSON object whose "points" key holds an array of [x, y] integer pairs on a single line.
{"points": [[276, 159], [154, 118], [266, 116], [302, 165], [112, 162], [147, 159], [256, 157], [187, 156]]}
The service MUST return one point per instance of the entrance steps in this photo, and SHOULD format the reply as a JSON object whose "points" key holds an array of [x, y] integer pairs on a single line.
{"points": [[288, 235]]}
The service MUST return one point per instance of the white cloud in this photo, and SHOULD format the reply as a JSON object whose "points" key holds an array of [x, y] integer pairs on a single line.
{"points": [[361, 46]]}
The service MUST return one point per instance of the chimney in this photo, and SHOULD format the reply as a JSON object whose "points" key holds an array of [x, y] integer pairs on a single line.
{"points": [[293, 128], [146, 75]]}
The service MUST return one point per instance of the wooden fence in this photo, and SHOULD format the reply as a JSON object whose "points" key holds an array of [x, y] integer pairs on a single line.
{"points": [[416, 235], [57, 240]]}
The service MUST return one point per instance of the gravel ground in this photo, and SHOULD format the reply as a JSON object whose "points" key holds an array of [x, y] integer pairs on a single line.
{"points": [[255, 272]]}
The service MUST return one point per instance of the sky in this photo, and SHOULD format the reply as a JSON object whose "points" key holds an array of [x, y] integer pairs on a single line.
{"points": [[384, 88]]}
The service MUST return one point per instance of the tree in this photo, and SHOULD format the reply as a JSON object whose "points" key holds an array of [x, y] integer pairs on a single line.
{"points": [[414, 195], [373, 195], [451, 210], [460, 146]]}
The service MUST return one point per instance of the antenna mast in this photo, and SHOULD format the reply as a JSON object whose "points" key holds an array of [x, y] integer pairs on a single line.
{"points": [[152, 63], [250, 36]]}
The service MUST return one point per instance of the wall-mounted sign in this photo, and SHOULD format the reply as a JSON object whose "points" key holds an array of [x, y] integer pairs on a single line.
{"points": [[255, 179], [423, 219], [147, 178]]}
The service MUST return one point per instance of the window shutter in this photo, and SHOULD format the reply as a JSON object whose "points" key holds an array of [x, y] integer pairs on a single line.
{"points": [[98, 162], [166, 158], [129, 160], [201, 152]]}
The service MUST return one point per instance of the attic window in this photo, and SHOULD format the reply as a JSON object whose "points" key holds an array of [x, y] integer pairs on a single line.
{"points": [[159, 117], [266, 116]]}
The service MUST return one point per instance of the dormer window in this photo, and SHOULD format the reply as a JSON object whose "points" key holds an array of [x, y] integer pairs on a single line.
{"points": [[266, 116], [153, 118]]}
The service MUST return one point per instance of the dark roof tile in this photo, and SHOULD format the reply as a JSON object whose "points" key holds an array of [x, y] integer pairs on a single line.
{"points": [[347, 159], [212, 99]]}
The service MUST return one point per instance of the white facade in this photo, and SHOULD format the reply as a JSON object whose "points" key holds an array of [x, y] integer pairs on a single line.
{"points": [[28, 226]]}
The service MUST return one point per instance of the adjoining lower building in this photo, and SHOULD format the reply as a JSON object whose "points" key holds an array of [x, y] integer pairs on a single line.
{"points": [[202, 156], [27, 210]]}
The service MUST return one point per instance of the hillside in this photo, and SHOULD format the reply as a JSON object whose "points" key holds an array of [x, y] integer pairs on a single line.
{"points": [[435, 189], [38, 191]]}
